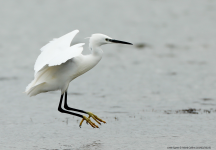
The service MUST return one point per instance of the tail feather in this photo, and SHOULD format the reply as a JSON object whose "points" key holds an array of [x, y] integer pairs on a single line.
{"points": [[30, 85], [35, 89], [38, 80]]}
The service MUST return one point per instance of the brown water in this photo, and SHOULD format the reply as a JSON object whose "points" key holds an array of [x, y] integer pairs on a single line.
{"points": [[143, 92]]}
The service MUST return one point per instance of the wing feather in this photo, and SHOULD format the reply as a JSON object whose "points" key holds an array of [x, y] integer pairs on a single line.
{"points": [[58, 51], [62, 42], [69, 53]]}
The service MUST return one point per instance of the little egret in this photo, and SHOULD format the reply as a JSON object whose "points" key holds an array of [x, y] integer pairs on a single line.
{"points": [[59, 64]]}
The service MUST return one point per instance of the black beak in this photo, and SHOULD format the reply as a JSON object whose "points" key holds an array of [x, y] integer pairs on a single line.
{"points": [[120, 42]]}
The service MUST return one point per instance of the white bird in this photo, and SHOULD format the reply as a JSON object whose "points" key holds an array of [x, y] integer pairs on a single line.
{"points": [[59, 64]]}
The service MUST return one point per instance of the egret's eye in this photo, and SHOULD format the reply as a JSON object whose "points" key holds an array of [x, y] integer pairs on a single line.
{"points": [[107, 39]]}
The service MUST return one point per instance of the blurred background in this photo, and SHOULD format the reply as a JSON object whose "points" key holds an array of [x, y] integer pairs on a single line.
{"points": [[158, 93]]}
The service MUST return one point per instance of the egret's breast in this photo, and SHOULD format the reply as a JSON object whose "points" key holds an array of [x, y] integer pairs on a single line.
{"points": [[84, 64]]}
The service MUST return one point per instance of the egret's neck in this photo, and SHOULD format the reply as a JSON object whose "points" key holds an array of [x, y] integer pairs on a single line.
{"points": [[96, 50]]}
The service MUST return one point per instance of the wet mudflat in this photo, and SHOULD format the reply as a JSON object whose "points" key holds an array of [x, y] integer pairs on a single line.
{"points": [[158, 93]]}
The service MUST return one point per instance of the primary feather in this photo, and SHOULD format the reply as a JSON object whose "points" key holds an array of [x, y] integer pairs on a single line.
{"points": [[58, 47]]}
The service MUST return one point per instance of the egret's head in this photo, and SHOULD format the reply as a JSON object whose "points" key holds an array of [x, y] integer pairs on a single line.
{"points": [[101, 39]]}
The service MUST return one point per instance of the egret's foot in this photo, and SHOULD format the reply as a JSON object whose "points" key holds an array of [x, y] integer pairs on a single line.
{"points": [[96, 118], [88, 121]]}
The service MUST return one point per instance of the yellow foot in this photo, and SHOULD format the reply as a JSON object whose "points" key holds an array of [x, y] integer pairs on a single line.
{"points": [[96, 118], [88, 121]]}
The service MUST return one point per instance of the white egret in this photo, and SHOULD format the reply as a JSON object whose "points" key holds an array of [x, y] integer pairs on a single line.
{"points": [[59, 64]]}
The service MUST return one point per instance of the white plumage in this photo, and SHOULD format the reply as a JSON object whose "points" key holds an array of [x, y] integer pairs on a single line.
{"points": [[55, 68], [59, 63]]}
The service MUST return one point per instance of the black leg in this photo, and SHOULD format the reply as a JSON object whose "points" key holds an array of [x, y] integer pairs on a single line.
{"points": [[67, 112], [98, 120], [69, 108]]}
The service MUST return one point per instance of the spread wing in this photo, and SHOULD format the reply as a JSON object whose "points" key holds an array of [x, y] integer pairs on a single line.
{"points": [[58, 51]]}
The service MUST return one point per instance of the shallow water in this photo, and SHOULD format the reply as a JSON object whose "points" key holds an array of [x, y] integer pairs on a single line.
{"points": [[144, 92]]}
